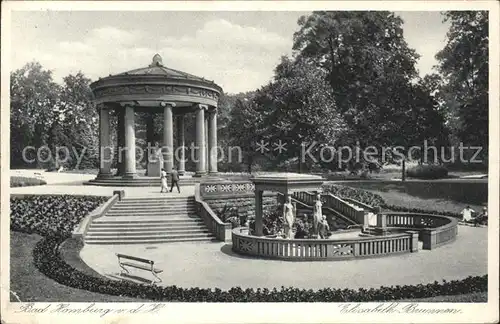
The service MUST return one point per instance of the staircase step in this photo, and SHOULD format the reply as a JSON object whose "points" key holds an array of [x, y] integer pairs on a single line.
{"points": [[157, 199], [138, 226], [147, 219], [151, 212], [120, 236], [156, 203], [152, 208], [151, 241], [166, 215], [150, 232]]}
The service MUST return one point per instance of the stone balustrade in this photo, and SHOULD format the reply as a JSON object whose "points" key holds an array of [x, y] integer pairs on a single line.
{"points": [[434, 230], [325, 249], [222, 189], [221, 230], [345, 208]]}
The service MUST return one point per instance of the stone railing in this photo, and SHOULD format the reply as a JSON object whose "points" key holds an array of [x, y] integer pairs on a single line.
{"points": [[221, 230], [434, 230], [346, 209], [359, 204], [319, 249], [221, 189]]}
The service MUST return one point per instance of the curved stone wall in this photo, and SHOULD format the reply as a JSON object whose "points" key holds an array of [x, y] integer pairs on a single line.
{"points": [[329, 249]]}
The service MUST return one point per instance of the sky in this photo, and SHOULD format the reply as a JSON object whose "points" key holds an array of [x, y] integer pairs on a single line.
{"points": [[238, 50]]}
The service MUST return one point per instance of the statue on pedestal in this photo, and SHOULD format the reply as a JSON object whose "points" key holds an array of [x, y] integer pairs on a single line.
{"points": [[317, 216], [289, 211]]}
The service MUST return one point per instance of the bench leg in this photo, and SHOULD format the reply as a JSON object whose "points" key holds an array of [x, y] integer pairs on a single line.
{"points": [[121, 266], [159, 279]]}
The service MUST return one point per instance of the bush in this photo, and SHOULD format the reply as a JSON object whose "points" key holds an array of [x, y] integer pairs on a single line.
{"points": [[427, 171], [25, 182], [48, 260], [362, 196], [50, 215], [229, 215]]}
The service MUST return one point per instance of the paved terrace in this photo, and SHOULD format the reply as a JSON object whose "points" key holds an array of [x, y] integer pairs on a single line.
{"points": [[211, 265], [72, 184]]}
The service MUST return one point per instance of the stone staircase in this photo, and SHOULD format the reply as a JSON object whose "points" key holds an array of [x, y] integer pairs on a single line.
{"points": [[148, 221]]}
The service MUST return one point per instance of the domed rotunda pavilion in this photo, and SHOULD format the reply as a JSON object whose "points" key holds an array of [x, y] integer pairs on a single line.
{"points": [[155, 89]]}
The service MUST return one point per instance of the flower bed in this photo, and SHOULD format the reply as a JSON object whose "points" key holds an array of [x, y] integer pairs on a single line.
{"points": [[49, 261], [16, 181], [50, 215]]}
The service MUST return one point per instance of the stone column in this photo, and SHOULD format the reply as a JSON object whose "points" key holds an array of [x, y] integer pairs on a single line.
{"points": [[212, 142], [258, 213], [200, 140], [129, 169], [150, 134], [168, 136], [120, 141], [206, 141], [105, 149], [181, 145]]}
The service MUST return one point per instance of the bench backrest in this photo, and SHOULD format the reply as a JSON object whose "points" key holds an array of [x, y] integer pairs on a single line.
{"points": [[134, 258]]}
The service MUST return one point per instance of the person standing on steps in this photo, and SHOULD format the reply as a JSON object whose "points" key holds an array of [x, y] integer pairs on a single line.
{"points": [[164, 184], [174, 178]]}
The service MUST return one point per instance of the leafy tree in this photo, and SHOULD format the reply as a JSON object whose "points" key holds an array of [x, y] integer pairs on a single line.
{"points": [[80, 119], [298, 109], [34, 108], [244, 127], [369, 67], [463, 65]]}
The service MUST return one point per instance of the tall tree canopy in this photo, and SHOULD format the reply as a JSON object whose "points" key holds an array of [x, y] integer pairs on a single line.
{"points": [[463, 65], [34, 104], [46, 113], [369, 67]]}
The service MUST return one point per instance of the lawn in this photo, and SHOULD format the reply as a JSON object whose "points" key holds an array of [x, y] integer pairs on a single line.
{"points": [[433, 195], [18, 181], [29, 285], [32, 286]]}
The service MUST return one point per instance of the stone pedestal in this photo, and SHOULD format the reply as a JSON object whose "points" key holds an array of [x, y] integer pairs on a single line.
{"points": [[155, 164]]}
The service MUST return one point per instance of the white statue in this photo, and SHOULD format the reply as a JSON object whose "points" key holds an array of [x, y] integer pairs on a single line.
{"points": [[317, 215], [289, 211], [323, 228]]}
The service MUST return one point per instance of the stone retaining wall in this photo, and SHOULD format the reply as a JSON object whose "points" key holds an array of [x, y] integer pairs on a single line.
{"points": [[245, 205]]}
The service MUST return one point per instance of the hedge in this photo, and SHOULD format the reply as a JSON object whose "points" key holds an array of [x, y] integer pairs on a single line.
{"points": [[427, 171], [16, 181], [363, 196], [48, 260], [50, 215]]}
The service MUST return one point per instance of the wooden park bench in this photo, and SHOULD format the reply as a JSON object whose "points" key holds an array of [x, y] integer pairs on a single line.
{"points": [[138, 263]]}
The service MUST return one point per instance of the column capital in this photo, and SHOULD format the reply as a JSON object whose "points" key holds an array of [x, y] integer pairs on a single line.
{"points": [[202, 107], [167, 103]]}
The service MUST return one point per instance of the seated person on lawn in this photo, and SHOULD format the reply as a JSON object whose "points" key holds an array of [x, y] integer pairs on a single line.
{"points": [[482, 219], [468, 214]]}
